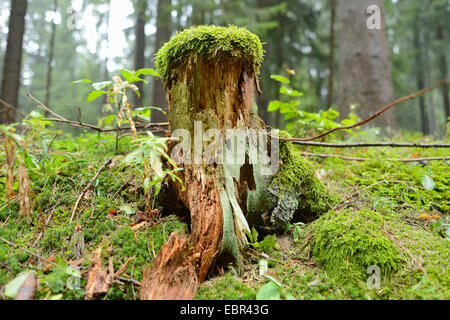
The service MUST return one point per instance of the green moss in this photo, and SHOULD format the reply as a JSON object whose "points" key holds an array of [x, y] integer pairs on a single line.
{"points": [[296, 179], [228, 287], [346, 243], [209, 41]]}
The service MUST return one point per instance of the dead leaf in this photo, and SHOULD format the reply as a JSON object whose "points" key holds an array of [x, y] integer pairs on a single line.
{"points": [[28, 289], [112, 213], [24, 191], [425, 217]]}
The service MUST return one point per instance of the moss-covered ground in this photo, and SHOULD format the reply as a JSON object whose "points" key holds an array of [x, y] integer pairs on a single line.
{"points": [[382, 215]]}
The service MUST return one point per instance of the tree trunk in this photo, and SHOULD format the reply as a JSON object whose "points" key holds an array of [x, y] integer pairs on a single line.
{"points": [[431, 115], [444, 73], [420, 75], [51, 51], [204, 94], [331, 56], [162, 35], [13, 60], [139, 47], [226, 180], [365, 75]]}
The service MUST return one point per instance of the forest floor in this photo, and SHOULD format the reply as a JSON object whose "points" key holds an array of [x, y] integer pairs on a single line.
{"points": [[394, 215]]}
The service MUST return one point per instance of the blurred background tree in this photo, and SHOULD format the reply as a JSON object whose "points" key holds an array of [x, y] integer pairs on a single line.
{"points": [[66, 40]]}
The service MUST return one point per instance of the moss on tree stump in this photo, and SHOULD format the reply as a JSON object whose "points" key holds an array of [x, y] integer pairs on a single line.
{"points": [[210, 74]]}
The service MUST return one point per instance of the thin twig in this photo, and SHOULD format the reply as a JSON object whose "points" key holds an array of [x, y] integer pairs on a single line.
{"points": [[407, 251], [26, 250], [135, 282], [45, 226], [79, 124], [372, 144], [391, 105], [321, 155], [89, 185]]}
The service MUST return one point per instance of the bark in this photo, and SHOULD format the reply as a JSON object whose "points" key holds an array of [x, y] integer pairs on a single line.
{"points": [[220, 96], [212, 110], [431, 115], [420, 78], [162, 35], [139, 48], [51, 52], [365, 75], [331, 56], [13, 60], [443, 66]]}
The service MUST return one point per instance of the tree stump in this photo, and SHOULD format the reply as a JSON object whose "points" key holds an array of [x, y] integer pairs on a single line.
{"points": [[228, 162]]}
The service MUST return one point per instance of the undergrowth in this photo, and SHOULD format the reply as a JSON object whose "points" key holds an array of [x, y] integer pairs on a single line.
{"points": [[383, 214]]}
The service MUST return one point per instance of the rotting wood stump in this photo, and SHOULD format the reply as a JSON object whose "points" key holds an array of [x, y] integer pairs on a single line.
{"points": [[231, 171]]}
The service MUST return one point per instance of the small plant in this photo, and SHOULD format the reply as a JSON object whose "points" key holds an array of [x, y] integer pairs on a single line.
{"points": [[298, 121], [267, 245], [15, 152], [116, 92], [146, 157]]}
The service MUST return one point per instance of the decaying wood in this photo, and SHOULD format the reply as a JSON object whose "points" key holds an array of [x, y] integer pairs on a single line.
{"points": [[98, 279], [220, 95], [173, 275], [101, 277]]}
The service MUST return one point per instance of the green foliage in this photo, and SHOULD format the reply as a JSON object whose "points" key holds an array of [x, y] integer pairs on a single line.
{"points": [[209, 41], [300, 122], [269, 291], [146, 156]]}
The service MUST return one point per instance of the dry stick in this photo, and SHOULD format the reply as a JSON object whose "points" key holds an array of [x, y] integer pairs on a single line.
{"points": [[321, 155], [407, 251], [59, 118], [9, 106], [393, 104], [26, 250], [107, 162], [45, 226], [371, 144]]}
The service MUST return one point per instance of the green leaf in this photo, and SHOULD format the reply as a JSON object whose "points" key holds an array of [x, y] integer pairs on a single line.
{"points": [[109, 119], [12, 287], [101, 85], [82, 81], [269, 291], [94, 95], [290, 92], [273, 106], [127, 209], [129, 76], [428, 183], [279, 78], [146, 71]]}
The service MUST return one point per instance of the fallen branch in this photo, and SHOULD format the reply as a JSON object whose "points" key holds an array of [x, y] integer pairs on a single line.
{"points": [[372, 144], [321, 155], [79, 124], [377, 114], [12, 244], [89, 185]]}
